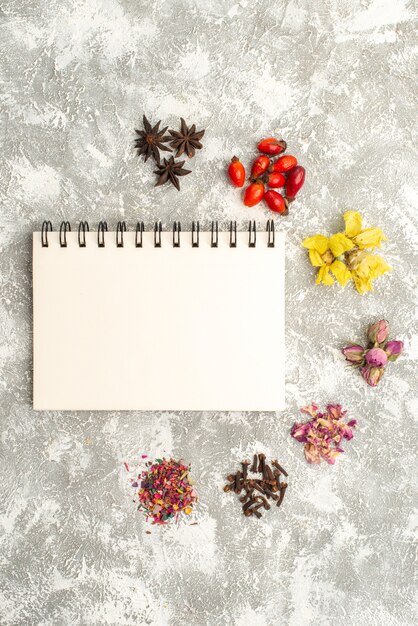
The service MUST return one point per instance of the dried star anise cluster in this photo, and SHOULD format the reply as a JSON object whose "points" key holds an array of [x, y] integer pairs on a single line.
{"points": [[257, 491], [151, 140]]}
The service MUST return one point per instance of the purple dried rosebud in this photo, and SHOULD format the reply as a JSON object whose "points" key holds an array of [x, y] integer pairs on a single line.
{"points": [[378, 332], [372, 375], [394, 349], [376, 357], [354, 354]]}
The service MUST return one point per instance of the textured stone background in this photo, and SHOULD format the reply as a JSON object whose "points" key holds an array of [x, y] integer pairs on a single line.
{"points": [[336, 79]]}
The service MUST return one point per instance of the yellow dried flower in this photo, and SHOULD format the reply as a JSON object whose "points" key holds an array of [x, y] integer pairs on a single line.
{"points": [[323, 252], [344, 255], [365, 270], [367, 238]]}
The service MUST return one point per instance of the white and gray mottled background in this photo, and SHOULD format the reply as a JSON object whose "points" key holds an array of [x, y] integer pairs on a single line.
{"points": [[336, 79]]}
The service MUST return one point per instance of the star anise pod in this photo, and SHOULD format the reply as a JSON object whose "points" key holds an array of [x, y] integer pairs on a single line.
{"points": [[151, 140], [186, 140], [170, 170]]}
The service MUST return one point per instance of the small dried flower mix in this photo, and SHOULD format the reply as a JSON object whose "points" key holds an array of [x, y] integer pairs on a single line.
{"points": [[373, 359], [258, 491], [165, 490], [324, 433]]}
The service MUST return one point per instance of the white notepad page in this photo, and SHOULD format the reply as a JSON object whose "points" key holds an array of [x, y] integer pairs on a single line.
{"points": [[158, 328]]}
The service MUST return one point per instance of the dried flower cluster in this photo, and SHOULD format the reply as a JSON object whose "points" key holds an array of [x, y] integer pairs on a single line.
{"points": [[373, 359], [346, 256], [323, 435], [152, 140]]}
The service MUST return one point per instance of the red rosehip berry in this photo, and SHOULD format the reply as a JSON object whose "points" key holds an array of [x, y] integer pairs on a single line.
{"points": [[254, 193], [276, 202], [260, 165], [284, 163], [236, 172], [271, 146], [274, 179], [295, 180]]}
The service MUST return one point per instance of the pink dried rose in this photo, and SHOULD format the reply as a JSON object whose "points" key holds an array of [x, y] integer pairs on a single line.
{"points": [[376, 357], [354, 353], [372, 375], [323, 434], [378, 332], [394, 349], [373, 359]]}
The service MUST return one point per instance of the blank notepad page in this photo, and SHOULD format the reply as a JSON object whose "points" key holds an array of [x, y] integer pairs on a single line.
{"points": [[158, 328]]}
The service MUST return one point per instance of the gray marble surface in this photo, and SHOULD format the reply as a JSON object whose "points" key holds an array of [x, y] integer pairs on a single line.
{"points": [[336, 79]]}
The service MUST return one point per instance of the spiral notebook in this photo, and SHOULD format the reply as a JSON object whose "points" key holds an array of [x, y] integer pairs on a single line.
{"points": [[158, 320]]}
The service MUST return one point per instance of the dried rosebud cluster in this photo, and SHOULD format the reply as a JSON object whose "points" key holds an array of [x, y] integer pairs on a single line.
{"points": [[373, 359], [257, 491], [323, 435]]}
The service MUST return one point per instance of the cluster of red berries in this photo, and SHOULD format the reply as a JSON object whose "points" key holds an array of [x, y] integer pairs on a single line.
{"points": [[273, 174]]}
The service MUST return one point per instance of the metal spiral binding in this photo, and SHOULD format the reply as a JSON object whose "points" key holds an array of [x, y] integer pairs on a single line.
{"points": [[270, 232], [63, 233], [195, 234], [139, 231], [176, 234], [252, 234], [120, 229], [82, 228], [214, 231], [157, 234], [233, 234], [46, 227], [100, 234]]}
